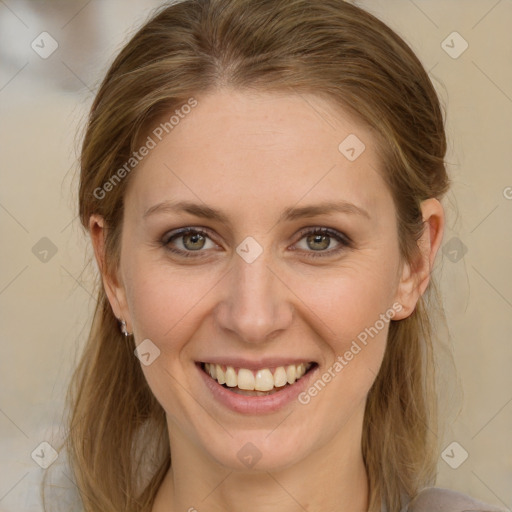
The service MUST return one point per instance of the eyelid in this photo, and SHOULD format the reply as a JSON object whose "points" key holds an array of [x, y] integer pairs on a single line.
{"points": [[343, 238], [176, 233]]}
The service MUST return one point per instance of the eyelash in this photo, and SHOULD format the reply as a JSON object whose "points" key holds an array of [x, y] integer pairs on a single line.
{"points": [[343, 240]]}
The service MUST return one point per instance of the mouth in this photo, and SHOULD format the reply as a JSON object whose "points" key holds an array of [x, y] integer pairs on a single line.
{"points": [[257, 382]]}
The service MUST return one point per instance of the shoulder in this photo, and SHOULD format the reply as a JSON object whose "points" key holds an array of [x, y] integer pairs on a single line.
{"points": [[436, 499]]}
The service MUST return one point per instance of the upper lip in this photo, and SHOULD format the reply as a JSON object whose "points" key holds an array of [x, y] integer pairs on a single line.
{"points": [[256, 364]]}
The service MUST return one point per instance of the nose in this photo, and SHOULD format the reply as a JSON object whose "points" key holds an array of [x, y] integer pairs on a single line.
{"points": [[256, 303]]}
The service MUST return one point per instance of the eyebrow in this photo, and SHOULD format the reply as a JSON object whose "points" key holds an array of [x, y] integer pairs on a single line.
{"points": [[288, 214]]}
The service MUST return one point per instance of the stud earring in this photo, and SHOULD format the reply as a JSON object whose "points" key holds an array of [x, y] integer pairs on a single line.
{"points": [[124, 330]]}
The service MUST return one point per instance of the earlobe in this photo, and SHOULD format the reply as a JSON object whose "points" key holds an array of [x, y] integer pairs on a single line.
{"points": [[415, 275], [113, 289], [406, 293]]}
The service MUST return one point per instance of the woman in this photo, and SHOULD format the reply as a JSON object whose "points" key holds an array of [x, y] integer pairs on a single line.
{"points": [[261, 182]]}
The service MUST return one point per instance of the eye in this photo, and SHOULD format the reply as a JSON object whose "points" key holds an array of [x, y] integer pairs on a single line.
{"points": [[320, 239], [190, 240]]}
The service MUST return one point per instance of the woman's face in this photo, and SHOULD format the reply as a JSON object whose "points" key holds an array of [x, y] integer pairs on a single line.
{"points": [[260, 289]]}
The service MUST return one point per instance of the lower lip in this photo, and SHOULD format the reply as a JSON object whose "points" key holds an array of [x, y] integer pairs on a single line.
{"points": [[256, 404]]}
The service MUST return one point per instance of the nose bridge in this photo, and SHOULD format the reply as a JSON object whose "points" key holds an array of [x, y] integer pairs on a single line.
{"points": [[255, 304]]}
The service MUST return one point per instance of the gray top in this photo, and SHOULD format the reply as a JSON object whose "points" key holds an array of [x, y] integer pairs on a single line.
{"points": [[436, 499]]}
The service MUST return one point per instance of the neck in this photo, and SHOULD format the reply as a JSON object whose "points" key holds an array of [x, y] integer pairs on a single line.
{"points": [[331, 478]]}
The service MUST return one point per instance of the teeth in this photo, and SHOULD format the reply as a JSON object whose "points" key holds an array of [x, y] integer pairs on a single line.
{"points": [[291, 373], [280, 376], [261, 380], [245, 379], [264, 380], [231, 377], [221, 376]]}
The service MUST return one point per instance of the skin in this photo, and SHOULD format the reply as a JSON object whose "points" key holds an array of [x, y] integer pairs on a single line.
{"points": [[252, 155]]}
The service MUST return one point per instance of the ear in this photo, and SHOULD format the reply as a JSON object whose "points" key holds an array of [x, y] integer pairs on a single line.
{"points": [[113, 287], [415, 275]]}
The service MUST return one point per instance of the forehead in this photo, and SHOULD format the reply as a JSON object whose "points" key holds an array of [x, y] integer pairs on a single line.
{"points": [[259, 150]]}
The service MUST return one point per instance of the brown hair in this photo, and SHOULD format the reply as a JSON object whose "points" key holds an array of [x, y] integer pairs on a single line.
{"points": [[326, 47]]}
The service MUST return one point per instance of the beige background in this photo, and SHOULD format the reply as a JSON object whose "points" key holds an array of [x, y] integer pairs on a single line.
{"points": [[45, 306]]}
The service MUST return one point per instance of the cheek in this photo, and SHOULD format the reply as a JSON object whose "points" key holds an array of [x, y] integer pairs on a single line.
{"points": [[161, 299], [164, 306], [349, 300], [354, 307], [354, 311]]}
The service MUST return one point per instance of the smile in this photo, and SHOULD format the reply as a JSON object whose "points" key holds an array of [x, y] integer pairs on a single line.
{"points": [[257, 382]]}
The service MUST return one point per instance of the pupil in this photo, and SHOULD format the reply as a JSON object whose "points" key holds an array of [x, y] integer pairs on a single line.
{"points": [[195, 237], [317, 239]]}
